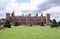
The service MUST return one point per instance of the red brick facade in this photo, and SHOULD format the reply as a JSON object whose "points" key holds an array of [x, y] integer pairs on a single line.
{"points": [[28, 19]]}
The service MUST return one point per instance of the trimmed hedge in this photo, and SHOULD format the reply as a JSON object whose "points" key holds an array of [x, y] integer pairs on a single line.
{"points": [[16, 24], [41, 23], [54, 23], [7, 24]]}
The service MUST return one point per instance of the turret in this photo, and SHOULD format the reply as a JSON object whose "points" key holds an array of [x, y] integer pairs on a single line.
{"points": [[47, 18], [8, 16]]}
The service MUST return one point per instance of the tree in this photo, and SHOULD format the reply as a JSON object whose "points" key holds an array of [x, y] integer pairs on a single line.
{"points": [[7, 24], [54, 23], [50, 21], [16, 24], [41, 23], [59, 23]]}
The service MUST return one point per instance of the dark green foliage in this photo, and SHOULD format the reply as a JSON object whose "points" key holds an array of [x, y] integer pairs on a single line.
{"points": [[38, 23], [50, 21], [7, 24], [41, 23], [54, 23], [16, 24], [59, 23], [19, 23]]}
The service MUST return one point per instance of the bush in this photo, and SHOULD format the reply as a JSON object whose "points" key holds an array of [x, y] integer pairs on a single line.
{"points": [[42, 24], [38, 23], [7, 24], [59, 23], [19, 23], [16, 24], [54, 23]]}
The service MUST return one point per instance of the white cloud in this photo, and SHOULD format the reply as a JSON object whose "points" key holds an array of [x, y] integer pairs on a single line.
{"points": [[55, 9], [31, 6], [13, 5]]}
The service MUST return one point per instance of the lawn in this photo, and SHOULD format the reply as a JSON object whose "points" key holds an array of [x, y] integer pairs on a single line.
{"points": [[27, 32]]}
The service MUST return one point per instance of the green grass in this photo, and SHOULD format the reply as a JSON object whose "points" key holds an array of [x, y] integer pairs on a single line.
{"points": [[26, 32]]}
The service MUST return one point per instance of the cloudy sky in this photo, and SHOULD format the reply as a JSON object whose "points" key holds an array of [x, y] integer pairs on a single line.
{"points": [[31, 6]]}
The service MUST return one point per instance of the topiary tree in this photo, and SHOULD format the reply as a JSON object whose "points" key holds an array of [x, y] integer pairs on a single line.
{"points": [[41, 23], [7, 24], [54, 23], [16, 24], [59, 23]]}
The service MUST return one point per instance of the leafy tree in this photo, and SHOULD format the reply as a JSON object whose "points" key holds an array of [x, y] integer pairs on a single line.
{"points": [[54, 23], [59, 23], [16, 24], [7, 24], [42, 24], [50, 21]]}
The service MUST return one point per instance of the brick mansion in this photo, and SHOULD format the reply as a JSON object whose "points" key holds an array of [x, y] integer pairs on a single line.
{"points": [[28, 19]]}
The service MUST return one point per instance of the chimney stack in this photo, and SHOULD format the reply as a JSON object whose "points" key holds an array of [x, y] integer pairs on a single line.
{"points": [[36, 14], [29, 14]]}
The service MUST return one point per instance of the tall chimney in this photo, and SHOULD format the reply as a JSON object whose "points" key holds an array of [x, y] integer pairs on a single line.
{"points": [[13, 14], [29, 14], [36, 14], [41, 15]]}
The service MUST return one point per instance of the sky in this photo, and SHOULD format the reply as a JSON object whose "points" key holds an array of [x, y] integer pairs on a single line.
{"points": [[31, 6]]}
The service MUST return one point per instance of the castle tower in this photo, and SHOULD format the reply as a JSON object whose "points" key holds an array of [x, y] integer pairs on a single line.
{"points": [[47, 18], [8, 16]]}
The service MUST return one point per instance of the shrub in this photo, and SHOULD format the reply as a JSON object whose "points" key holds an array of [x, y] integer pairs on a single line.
{"points": [[50, 21], [16, 24], [38, 23], [7, 24], [42, 24], [54, 23], [19, 23], [59, 23]]}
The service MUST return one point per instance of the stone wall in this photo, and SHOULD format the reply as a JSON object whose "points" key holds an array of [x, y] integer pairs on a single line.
{"points": [[28, 19]]}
